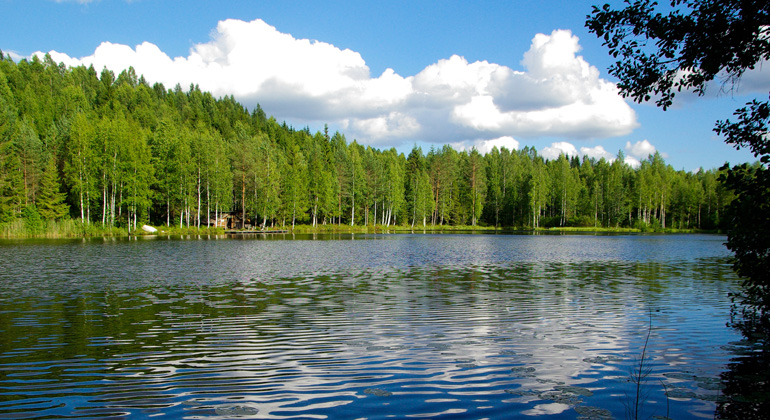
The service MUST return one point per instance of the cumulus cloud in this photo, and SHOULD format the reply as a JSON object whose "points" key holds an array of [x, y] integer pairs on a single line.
{"points": [[384, 126], [558, 94], [640, 150], [597, 153], [632, 162], [553, 151], [486, 146], [633, 159], [452, 100]]}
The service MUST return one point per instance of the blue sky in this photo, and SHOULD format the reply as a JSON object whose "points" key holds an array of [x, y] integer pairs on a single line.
{"points": [[396, 73]]}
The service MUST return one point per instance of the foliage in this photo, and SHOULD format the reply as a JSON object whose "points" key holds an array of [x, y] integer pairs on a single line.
{"points": [[33, 222], [51, 203], [749, 224], [662, 54], [127, 153]]}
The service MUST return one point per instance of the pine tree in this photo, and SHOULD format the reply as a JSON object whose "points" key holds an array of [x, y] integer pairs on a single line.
{"points": [[50, 201]]}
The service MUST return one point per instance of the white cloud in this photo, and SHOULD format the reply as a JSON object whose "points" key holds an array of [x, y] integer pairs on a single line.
{"points": [[597, 152], [14, 55], [752, 81], [305, 81], [393, 124], [559, 94], [756, 80], [553, 151], [632, 162], [486, 146], [640, 149]]}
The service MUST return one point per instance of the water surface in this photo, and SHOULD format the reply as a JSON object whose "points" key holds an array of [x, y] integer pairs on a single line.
{"points": [[364, 326]]}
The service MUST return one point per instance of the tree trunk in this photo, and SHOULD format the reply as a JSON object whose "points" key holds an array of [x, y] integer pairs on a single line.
{"points": [[104, 199], [199, 198]]}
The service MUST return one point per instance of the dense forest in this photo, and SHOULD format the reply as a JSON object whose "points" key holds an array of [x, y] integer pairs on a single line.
{"points": [[109, 150]]}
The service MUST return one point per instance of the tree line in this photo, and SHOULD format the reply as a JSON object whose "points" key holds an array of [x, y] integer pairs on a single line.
{"points": [[118, 151]]}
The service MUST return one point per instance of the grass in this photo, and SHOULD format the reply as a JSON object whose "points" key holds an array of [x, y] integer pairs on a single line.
{"points": [[20, 228], [346, 228], [176, 230], [57, 229], [624, 230]]}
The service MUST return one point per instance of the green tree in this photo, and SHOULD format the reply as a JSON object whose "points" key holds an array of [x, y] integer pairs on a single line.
{"points": [[564, 190], [244, 163], [537, 189], [443, 170], [358, 185], [394, 190], [167, 156], [29, 150], [424, 203], [414, 167], [79, 166], [321, 180], [588, 197], [220, 180], [11, 188], [374, 177], [137, 176], [11, 183], [342, 170], [475, 173], [268, 173], [296, 184], [495, 184], [51, 202]]}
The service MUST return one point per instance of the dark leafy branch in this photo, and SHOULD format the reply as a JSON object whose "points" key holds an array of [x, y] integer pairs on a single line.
{"points": [[661, 54], [751, 129]]}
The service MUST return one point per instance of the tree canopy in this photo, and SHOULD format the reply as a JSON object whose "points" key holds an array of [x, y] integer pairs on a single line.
{"points": [[117, 151]]}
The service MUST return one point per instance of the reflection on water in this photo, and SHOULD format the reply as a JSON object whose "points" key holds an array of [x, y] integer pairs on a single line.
{"points": [[449, 326], [745, 383]]}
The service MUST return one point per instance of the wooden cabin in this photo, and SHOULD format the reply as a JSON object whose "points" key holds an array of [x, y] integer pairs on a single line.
{"points": [[229, 220]]}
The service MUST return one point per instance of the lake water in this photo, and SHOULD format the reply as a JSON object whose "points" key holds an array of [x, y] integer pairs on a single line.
{"points": [[365, 326]]}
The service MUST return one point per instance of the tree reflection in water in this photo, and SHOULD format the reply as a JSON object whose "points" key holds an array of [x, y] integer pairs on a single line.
{"points": [[746, 381]]}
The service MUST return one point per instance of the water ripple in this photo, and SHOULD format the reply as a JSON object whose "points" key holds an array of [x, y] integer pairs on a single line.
{"points": [[425, 327]]}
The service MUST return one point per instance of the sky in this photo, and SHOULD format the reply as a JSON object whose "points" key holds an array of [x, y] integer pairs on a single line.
{"points": [[392, 74]]}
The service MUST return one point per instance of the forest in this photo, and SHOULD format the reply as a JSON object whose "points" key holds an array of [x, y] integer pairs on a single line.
{"points": [[117, 152]]}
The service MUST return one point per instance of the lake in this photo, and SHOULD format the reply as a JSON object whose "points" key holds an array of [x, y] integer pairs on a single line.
{"points": [[448, 326]]}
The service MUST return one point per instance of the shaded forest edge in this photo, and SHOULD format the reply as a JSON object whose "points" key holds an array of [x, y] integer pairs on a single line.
{"points": [[87, 154]]}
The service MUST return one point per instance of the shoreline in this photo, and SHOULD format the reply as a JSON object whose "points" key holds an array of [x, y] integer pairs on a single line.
{"points": [[77, 229]]}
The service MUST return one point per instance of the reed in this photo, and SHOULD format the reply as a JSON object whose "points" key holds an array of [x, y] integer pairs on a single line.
{"points": [[66, 228]]}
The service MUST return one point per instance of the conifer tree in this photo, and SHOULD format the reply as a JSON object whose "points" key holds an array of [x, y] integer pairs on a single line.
{"points": [[51, 202]]}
